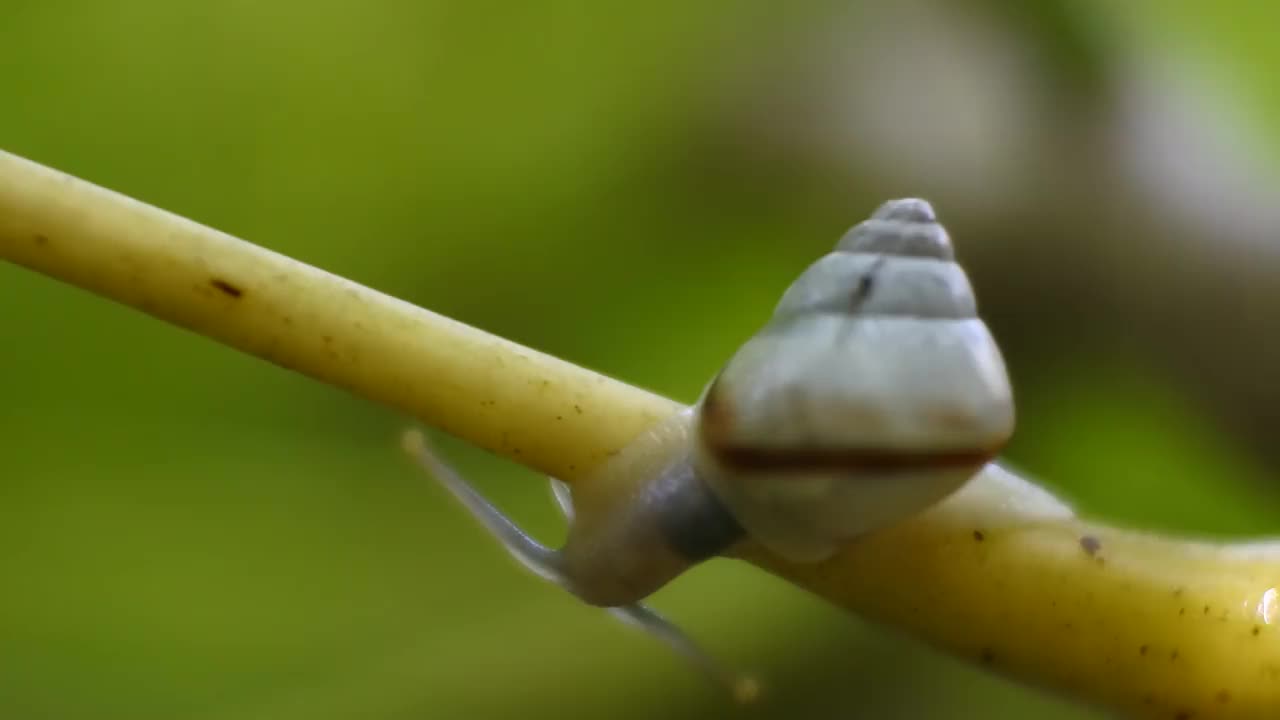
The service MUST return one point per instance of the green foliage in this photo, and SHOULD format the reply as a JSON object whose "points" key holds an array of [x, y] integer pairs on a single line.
{"points": [[187, 532]]}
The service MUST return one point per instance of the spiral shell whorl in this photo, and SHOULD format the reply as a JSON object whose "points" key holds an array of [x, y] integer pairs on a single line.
{"points": [[907, 228], [900, 262], [906, 209]]}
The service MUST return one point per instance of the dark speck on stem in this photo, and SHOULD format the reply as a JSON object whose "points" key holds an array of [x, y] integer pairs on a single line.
{"points": [[226, 287], [1091, 545], [979, 536]]}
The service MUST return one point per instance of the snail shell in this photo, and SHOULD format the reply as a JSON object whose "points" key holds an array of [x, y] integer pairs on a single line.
{"points": [[874, 391]]}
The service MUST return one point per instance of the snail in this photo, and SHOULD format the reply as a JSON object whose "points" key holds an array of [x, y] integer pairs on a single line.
{"points": [[873, 392]]}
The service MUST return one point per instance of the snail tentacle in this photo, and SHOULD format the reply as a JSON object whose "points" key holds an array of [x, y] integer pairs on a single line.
{"points": [[543, 561], [563, 495], [744, 688], [550, 565]]}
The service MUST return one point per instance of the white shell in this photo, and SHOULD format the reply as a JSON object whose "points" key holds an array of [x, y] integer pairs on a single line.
{"points": [[874, 391]]}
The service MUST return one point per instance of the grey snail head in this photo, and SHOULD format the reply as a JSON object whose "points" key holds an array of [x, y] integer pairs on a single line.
{"points": [[873, 391]]}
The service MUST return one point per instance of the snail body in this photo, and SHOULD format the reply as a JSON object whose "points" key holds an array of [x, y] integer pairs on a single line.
{"points": [[874, 391]]}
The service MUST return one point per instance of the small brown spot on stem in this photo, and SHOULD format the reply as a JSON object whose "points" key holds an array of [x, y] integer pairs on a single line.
{"points": [[987, 656], [1206, 609], [1183, 715], [41, 239], [1256, 631], [979, 536], [1091, 545], [1142, 650], [1223, 697], [1173, 655], [226, 287], [577, 409]]}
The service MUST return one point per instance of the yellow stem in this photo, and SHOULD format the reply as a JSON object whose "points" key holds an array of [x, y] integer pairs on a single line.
{"points": [[534, 408], [1001, 572], [1005, 575]]}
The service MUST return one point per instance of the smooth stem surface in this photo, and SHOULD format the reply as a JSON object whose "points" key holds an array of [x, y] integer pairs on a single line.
{"points": [[539, 410], [1004, 575], [1001, 572]]}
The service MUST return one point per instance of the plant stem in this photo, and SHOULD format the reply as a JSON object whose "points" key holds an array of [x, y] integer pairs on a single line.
{"points": [[1001, 572], [1004, 575], [534, 408]]}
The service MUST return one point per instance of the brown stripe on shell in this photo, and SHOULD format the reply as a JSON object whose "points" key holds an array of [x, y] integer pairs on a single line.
{"points": [[830, 459], [717, 421]]}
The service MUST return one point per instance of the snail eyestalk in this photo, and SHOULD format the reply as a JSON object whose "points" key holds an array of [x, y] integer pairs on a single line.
{"points": [[543, 561], [745, 689], [550, 565]]}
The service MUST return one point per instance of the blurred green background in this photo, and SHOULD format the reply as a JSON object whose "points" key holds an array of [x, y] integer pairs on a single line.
{"points": [[188, 532]]}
